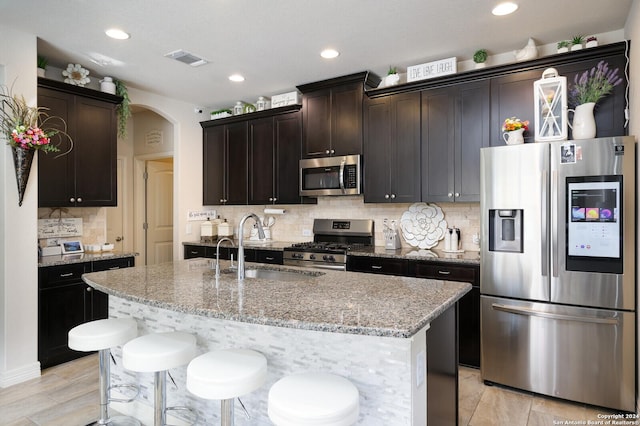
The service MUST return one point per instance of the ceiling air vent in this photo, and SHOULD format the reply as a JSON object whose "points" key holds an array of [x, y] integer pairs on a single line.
{"points": [[186, 57]]}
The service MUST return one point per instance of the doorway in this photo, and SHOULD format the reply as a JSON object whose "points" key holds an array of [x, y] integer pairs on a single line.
{"points": [[158, 211]]}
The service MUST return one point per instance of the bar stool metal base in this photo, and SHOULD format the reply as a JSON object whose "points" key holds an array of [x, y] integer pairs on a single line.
{"points": [[104, 357]]}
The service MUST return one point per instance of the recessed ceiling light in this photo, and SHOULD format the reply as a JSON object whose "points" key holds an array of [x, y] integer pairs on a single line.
{"points": [[236, 77], [117, 34], [329, 53], [504, 8]]}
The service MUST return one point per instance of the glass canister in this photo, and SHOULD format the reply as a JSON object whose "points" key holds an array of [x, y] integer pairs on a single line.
{"points": [[238, 108], [262, 103]]}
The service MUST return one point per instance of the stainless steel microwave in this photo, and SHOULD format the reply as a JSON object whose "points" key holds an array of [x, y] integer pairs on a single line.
{"points": [[330, 176]]}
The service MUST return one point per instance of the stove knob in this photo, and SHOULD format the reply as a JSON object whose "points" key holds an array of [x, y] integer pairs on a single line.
{"points": [[328, 258], [312, 256], [296, 256]]}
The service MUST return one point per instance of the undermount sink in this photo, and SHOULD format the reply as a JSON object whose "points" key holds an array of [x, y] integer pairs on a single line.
{"points": [[276, 275]]}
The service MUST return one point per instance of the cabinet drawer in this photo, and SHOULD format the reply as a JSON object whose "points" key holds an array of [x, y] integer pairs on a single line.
{"points": [[443, 271], [195, 251], [106, 265], [269, 256], [63, 274], [377, 265]]}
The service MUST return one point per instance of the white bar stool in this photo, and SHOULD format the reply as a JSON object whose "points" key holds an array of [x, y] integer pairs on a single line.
{"points": [[319, 399], [102, 335], [157, 353], [226, 374]]}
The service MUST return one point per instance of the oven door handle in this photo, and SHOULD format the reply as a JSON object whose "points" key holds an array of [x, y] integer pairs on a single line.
{"points": [[535, 313], [341, 177]]}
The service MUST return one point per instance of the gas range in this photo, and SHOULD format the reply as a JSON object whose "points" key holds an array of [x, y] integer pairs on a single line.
{"points": [[332, 240]]}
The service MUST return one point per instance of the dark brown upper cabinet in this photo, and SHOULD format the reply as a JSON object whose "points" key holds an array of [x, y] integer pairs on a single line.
{"points": [[455, 126], [253, 158], [392, 148], [274, 151], [332, 115], [86, 176]]}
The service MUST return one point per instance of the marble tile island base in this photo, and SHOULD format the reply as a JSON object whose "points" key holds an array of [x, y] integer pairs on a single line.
{"points": [[370, 329]]}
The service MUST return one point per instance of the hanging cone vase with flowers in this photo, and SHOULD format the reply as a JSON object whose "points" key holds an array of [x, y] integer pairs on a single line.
{"points": [[28, 129]]}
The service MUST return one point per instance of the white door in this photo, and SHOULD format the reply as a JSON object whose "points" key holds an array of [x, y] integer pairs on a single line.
{"points": [[159, 211], [115, 215]]}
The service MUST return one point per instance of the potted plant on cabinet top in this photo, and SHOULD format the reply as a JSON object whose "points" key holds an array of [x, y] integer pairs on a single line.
{"points": [[577, 42], [480, 58], [563, 46], [392, 78], [592, 41], [42, 65]]}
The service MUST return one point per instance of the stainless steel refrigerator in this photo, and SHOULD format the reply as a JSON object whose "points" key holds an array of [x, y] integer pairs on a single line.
{"points": [[558, 283]]}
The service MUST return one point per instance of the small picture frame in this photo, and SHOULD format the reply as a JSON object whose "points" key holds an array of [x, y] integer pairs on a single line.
{"points": [[71, 246]]}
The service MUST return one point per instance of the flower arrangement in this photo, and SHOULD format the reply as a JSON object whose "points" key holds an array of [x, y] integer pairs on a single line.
{"points": [[594, 84], [26, 127], [513, 123], [76, 75]]}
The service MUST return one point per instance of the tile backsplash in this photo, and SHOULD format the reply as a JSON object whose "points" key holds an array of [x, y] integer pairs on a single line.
{"points": [[299, 218]]}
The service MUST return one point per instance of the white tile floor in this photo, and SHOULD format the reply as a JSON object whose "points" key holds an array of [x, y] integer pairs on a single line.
{"points": [[67, 395]]}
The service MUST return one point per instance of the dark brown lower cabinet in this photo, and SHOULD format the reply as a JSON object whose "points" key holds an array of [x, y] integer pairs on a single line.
{"points": [[65, 301], [442, 369]]}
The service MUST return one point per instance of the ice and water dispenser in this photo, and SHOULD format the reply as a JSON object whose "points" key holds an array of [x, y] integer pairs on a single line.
{"points": [[505, 230]]}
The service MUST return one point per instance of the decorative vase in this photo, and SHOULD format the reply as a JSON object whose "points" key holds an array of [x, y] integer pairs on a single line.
{"points": [[22, 159], [514, 137], [480, 65], [584, 123], [41, 72]]}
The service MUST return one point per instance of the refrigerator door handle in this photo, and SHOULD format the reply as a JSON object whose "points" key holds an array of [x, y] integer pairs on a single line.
{"points": [[555, 220], [534, 313], [544, 256]]}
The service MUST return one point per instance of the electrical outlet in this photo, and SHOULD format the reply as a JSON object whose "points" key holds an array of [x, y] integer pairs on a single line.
{"points": [[306, 232], [189, 229]]}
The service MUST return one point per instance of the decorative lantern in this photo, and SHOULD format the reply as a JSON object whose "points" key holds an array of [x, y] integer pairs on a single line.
{"points": [[550, 99]]}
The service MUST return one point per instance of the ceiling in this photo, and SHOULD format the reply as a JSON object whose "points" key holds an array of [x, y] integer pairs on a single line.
{"points": [[275, 44]]}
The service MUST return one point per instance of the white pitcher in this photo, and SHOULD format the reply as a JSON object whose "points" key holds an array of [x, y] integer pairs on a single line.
{"points": [[584, 123], [514, 137]]}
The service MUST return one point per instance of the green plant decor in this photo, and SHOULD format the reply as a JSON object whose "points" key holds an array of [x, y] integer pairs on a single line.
{"points": [[42, 62], [124, 110], [563, 43], [480, 56], [579, 39], [392, 70]]}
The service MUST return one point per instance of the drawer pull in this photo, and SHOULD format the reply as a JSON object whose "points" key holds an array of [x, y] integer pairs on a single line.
{"points": [[194, 252], [444, 272], [269, 258], [68, 274], [376, 267], [114, 267]]}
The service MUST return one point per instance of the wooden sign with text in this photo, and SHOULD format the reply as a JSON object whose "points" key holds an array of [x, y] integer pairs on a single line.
{"points": [[432, 69]]}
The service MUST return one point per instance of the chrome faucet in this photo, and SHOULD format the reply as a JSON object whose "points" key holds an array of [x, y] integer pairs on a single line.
{"points": [[218, 254], [241, 241]]}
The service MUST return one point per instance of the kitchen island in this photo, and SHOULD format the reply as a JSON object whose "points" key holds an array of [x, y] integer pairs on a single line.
{"points": [[370, 329]]}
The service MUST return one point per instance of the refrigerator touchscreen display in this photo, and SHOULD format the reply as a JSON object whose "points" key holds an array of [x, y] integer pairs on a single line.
{"points": [[594, 218]]}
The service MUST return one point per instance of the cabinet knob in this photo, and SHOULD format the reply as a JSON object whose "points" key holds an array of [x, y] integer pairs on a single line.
{"points": [[327, 152], [450, 194], [221, 200], [275, 199], [72, 200], [79, 200], [89, 289], [393, 196], [333, 151], [457, 194], [118, 239], [386, 196]]}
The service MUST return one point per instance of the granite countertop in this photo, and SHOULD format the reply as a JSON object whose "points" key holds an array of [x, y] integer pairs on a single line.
{"points": [[67, 259], [333, 301], [468, 256]]}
